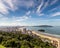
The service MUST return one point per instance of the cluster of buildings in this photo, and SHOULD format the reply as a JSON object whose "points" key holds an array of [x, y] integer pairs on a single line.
{"points": [[16, 29], [8, 29]]}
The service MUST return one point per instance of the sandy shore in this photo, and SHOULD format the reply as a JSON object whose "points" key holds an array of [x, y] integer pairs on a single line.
{"points": [[55, 39], [47, 34]]}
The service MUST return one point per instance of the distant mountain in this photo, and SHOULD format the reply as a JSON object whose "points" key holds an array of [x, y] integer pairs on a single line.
{"points": [[44, 26]]}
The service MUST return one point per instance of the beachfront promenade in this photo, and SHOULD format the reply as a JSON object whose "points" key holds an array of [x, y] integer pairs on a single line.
{"points": [[50, 38]]}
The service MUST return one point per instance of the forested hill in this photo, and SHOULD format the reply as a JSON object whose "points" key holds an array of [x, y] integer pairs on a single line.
{"points": [[43, 26], [18, 40]]}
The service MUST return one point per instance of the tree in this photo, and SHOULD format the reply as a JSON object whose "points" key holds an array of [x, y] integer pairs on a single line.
{"points": [[1, 39]]}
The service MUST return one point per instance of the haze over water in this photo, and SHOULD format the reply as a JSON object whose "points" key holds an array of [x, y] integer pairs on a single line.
{"points": [[52, 30]]}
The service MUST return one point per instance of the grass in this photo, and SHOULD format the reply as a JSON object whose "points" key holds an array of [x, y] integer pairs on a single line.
{"points": [[2, 46]]}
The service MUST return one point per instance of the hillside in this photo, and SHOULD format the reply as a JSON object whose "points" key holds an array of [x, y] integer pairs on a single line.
{"points": [[43, 26], [18, 40]]}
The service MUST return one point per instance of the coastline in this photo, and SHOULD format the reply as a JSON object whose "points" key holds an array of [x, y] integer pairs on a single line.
{"points": [[54, 39], [48, 34]]}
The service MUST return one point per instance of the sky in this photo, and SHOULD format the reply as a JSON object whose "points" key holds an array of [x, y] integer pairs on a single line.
{"points": [[29, 12]]}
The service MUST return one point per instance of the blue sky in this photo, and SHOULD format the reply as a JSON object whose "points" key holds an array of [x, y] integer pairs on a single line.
{"points": [[29, 12]]}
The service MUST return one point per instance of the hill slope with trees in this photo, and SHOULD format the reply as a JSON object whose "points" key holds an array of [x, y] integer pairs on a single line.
{"points": [[18, 40]]}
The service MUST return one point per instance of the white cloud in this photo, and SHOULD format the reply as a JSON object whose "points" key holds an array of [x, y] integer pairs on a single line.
{"points": [[28, 13], [21, 18], [53, 2], [13, 5], [14, 21], [2, 18], [56, 14], [6, 5], [25, 3], [54, 9], [40, 6], [3, 8], [9, 24], [14, 24], [1, 15], [45, 4], [41, 14]]}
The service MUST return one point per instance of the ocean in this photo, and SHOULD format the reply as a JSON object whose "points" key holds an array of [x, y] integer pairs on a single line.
{"points": [[51, 30]]}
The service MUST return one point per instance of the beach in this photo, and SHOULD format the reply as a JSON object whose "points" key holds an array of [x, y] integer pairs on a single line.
{"points": [[54, 39]]}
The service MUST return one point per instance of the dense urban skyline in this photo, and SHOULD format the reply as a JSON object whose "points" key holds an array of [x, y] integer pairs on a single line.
{"points": [[29, 12]]}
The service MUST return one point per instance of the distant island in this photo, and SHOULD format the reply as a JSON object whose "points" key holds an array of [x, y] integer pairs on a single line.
{"points": [[43, 26]]}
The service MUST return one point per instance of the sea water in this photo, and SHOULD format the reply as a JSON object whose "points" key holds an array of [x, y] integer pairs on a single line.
{"points": [[52, 30]]}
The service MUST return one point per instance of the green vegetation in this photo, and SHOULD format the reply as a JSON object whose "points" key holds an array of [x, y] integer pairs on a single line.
{"points": [[18, 40], [2, 46]]}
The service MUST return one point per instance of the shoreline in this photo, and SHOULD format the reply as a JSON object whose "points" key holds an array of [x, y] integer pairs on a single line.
{"points": [[54, 39], [48, 34]]}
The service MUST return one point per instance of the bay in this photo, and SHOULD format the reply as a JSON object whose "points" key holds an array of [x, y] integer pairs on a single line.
{"points": [[52, 30]]}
